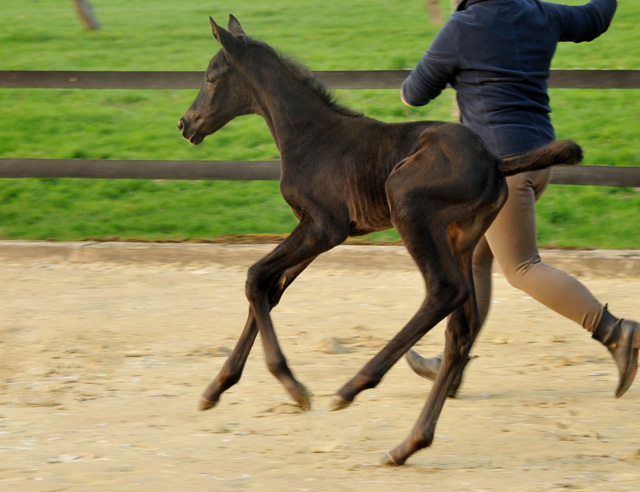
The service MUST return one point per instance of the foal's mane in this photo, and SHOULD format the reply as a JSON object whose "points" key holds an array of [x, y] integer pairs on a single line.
{"points": [[304, 75]]}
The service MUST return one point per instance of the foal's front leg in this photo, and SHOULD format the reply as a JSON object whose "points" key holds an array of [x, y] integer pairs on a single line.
{"points": [[232, 369], [308, 240]]}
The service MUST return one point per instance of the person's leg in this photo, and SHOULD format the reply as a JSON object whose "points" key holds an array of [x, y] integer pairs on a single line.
{"points": [[482, 270], [512, 238]]}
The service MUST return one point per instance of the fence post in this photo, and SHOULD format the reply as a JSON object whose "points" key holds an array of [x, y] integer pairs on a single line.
{"points": [[434, 11], [85, 13]]}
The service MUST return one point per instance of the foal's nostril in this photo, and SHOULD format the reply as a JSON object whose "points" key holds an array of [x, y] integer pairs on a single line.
{"points": [[180, 125]]}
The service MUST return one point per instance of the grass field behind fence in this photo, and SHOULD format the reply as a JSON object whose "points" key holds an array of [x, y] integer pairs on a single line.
{"points": [[330, 35]]}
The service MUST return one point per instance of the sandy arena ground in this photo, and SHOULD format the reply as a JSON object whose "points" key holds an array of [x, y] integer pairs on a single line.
{"points": [[104, 353]]}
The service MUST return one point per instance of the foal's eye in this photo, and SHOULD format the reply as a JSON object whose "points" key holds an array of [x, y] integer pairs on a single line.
{"points": [[210, 80]]}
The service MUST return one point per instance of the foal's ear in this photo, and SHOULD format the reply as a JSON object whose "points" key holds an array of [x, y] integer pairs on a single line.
{"points": [[234, 26], [232, 46]]}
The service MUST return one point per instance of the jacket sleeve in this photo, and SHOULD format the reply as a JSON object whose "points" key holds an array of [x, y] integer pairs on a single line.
{"points": [[584, 22], [436, 68]]}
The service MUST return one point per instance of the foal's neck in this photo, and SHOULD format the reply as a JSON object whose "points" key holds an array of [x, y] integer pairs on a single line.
{"points": [[290, 107]]}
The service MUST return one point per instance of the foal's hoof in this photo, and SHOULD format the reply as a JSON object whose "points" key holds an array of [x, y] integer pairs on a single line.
{"points": [[387, 460], [206, 404], [303, 399], [338, 403]]}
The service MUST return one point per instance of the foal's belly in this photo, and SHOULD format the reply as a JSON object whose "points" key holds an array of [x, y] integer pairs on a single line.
{"points": [[368, 208], [365, 223], [358, 230]]}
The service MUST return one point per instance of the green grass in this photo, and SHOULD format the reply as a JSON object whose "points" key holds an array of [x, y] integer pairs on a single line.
{"points": [[331, 35]]}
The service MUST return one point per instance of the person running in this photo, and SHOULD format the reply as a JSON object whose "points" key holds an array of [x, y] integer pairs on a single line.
{"points": [[497, 55]]}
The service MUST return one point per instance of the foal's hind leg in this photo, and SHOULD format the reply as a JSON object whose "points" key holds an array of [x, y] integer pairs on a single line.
{"points": [[446, 290], [231, 371], [427, 193], [462, 328]]}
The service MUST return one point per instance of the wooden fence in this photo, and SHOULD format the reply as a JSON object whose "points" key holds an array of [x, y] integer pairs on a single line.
{"points": [[265, 170]]}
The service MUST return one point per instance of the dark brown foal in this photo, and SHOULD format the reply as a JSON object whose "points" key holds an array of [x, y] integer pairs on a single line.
{"points": [[344, 175]]}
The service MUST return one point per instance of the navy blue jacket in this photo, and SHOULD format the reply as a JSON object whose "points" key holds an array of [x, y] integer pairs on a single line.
{"points": [[497, 54]]}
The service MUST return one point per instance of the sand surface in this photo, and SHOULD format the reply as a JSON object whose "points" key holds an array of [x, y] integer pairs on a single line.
{"points": [[102, 364]]}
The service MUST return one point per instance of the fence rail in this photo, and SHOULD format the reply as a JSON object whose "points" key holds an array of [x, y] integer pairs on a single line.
{"points": [[334, 79], [250, 170], [265, 170]]}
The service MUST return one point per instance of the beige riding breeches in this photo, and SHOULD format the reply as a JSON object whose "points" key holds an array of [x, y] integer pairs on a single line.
{"points": [[511, 240]]}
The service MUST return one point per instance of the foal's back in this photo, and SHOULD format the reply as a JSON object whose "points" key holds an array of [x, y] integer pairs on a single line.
{"points": [[368, 151]]}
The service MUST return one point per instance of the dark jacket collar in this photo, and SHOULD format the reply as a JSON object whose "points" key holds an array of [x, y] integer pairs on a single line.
{"points": [[463, 4]]}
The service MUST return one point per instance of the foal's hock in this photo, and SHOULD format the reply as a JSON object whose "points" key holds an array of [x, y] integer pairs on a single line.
{"points": [[344, 174]]}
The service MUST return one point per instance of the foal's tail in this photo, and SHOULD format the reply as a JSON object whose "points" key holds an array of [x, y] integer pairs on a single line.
{"points": [[557, 152]]}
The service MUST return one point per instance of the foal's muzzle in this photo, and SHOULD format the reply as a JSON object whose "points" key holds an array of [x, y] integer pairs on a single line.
{"points": [[193, 134]]}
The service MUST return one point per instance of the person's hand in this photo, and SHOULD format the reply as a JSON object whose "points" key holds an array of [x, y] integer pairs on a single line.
{"points": [[402, 98]]}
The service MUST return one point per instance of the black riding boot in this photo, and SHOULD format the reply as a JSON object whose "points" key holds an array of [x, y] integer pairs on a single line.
{"points": [[622, 338]]}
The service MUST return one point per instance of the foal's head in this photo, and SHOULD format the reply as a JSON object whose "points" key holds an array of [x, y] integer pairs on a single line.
{"points": [[223, 95], [226, 92]]}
